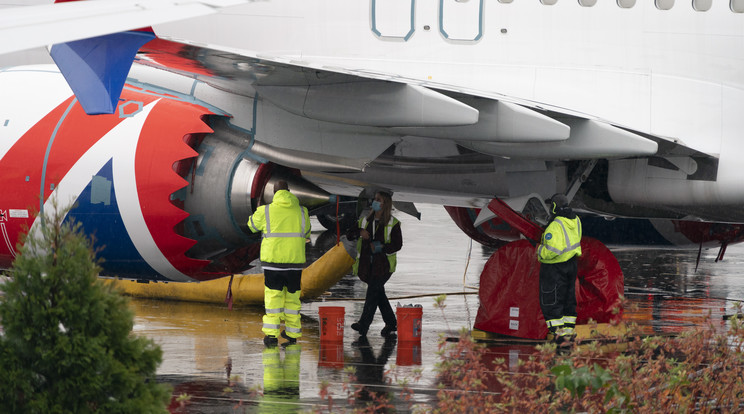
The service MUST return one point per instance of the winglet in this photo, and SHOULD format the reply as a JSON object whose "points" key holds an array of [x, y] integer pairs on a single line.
{"points": [[96, 68]]}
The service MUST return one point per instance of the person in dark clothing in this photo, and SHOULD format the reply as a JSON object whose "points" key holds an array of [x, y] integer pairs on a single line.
{"points": [[378, 238]]}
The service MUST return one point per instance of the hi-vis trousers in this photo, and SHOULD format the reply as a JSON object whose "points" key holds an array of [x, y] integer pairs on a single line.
{"points": [[281, 380], [282, 302]]}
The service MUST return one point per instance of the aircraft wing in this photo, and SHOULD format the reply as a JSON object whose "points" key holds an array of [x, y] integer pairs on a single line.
{"points": [[428, 142], [488, 123], [484, 125]]}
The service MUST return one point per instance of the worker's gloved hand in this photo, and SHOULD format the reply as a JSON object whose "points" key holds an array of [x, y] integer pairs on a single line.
{"points": [[376, 247]]}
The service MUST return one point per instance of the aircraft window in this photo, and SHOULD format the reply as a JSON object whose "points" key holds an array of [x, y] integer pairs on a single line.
{"points": [[505, 1], [461, 21], [737, 6], [664, 4], [626, 4], [702, 5], [392, 19], [548, 2], [587, 3]]}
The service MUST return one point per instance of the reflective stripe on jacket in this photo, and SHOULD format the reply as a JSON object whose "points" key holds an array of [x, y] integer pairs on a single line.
{"points": [[285, 225], [560, 241]]}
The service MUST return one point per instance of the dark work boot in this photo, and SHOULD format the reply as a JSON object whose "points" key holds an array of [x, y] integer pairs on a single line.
{"points": [[289, 338], [564, 337], [270, 340], [388, 330], [358, 327]]}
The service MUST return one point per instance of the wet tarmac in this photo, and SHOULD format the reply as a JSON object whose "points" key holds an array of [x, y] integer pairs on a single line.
{"points": [[215, 358]]}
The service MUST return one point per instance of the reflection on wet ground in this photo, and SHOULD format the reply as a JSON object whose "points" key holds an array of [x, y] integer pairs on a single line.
{"points": [[215, 358], [670, 294]]}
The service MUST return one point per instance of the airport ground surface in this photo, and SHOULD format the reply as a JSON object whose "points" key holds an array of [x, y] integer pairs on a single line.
{"points": [[217, 357]]}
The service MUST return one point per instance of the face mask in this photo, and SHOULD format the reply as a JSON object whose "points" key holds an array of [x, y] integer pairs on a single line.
{"points": [[376, 206]]}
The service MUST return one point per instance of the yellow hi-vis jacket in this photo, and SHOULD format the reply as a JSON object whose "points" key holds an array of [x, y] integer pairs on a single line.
{"points": [[285, 225], [561, 241]]}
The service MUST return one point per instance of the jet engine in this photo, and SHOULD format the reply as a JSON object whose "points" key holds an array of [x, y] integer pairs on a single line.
{"points": [[164, 186]]}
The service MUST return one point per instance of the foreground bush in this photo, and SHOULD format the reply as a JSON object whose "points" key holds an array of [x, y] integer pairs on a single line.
{"points": [[699, 371], [66, 345]]}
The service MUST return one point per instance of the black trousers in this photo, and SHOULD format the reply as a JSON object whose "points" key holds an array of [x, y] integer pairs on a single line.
{"points": [[558, 289], [278, 279], [376, 298]]}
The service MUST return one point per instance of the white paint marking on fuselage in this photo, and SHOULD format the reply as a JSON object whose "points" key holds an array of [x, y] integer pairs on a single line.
{"points": [[119, 144], [8, 244]]}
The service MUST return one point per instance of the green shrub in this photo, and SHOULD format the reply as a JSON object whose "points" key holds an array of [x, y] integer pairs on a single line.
{"points": [[66, 344]]}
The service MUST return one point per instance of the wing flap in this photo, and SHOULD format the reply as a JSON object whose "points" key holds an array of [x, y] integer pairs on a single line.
{"points": [[589, 139], [370, 103], [499, 122]]}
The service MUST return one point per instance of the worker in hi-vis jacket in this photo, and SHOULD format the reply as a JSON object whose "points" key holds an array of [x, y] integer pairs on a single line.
{"points": [[558, 253], [285, 225]]}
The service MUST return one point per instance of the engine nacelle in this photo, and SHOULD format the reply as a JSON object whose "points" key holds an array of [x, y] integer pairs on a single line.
{"points": [[165, 195]]}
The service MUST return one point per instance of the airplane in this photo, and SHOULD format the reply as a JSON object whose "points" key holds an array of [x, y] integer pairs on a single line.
{"points": [[629, 108]]}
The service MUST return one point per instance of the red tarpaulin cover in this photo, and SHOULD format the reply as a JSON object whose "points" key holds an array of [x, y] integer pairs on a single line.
{"points": [[509, 289]]}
